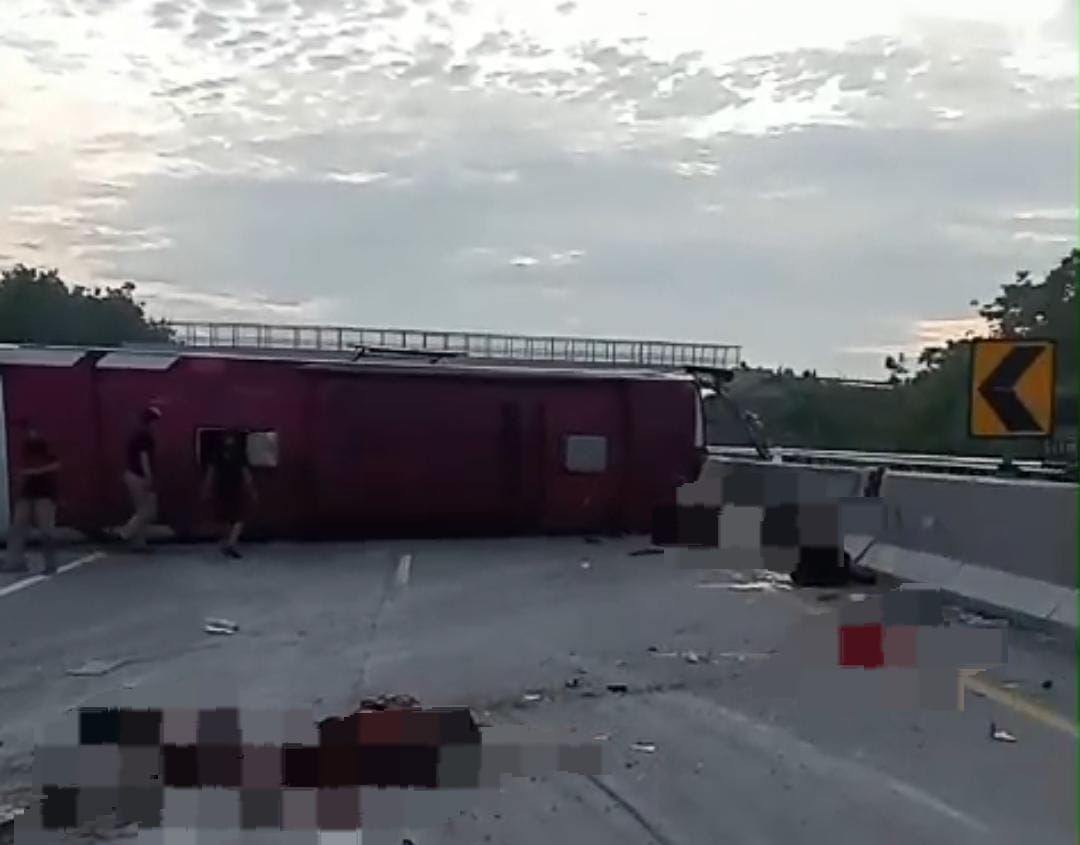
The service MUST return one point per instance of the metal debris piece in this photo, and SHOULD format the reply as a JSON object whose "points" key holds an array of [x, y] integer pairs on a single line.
{"points": [[1000, 735], [644, 747], [96, 668], [601, 737], [532, 697], [735, 586], [220, 626], [692, 657], [620, 688]]}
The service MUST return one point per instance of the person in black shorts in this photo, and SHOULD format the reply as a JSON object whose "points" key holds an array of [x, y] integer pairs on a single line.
{"points": [[35, 503], [140, 480], [230, 484]]}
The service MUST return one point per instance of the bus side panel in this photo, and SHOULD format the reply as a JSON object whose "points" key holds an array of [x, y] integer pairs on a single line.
{"points": [[58, 402], [665, 454], [416, 455], [579, 499]]}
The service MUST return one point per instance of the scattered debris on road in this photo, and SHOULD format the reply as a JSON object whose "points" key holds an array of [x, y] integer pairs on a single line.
{"points": [[601, 737], [743, 656], [220, 626], [531, 697], [573, 683], [1000, 735], [693, 657], [618, 688], [96, 668], [1047, 684], [650, 550], [644, 747]]}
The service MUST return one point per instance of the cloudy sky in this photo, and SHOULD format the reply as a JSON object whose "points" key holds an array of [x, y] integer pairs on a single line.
{"points": [[819, 182]]}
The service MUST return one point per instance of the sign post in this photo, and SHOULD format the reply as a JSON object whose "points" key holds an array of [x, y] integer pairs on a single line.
{"points": [[1012, 389]]}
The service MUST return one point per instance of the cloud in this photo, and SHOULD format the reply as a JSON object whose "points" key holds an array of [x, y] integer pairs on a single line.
{"points": [[637, 176], [359, 178], [170, 14], [938, 332], [179, 301]]}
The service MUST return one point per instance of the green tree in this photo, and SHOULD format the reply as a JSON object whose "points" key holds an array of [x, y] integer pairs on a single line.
{"points": [[935, 395], [36, 306], [1046, 310]]}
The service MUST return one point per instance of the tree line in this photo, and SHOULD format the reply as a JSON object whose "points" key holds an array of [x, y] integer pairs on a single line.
{"points": [[920, 406]]}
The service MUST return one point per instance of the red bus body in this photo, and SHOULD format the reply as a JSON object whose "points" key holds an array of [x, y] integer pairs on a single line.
{"points": [[366, 449]]}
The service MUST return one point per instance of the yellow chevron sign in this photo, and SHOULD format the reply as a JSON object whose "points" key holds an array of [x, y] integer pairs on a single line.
{"points": [[1012, 388]]}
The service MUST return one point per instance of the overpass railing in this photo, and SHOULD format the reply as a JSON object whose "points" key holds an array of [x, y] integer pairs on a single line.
{"points": [[488, 346]]}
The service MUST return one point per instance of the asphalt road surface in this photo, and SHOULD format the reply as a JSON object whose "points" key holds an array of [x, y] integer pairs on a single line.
{"points": [[752, 742]]}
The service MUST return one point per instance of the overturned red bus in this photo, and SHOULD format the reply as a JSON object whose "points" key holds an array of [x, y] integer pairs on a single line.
{"points": [[344, 450]]}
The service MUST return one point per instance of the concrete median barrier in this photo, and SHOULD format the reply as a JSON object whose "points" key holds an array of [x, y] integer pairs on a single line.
{"points": [[1010, 545]]}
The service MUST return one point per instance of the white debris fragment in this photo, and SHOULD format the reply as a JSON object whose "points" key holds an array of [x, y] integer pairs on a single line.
{"points": [[644, 747], [532, 697], [220, 626]]}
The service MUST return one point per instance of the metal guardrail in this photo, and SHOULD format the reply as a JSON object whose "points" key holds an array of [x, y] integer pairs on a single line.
{"points": [[505, 347], [900, 462]]}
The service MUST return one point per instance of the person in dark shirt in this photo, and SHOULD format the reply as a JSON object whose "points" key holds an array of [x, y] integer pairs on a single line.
{"points": [[140, 480], [35, 502], [230, 484]]}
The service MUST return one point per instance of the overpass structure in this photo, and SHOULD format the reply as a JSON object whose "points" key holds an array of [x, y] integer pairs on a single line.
{"points": [[348, 341]]}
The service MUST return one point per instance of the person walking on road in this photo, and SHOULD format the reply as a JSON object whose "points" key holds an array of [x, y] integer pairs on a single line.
{"points": [[229, 482], [140, 480], [35, 503]]}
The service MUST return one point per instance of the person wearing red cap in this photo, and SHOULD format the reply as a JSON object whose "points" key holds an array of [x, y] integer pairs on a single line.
{"points": [[140, 478]]}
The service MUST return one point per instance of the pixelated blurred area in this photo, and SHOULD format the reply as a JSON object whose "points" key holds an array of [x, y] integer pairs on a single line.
{"points": [[212, 769]]}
